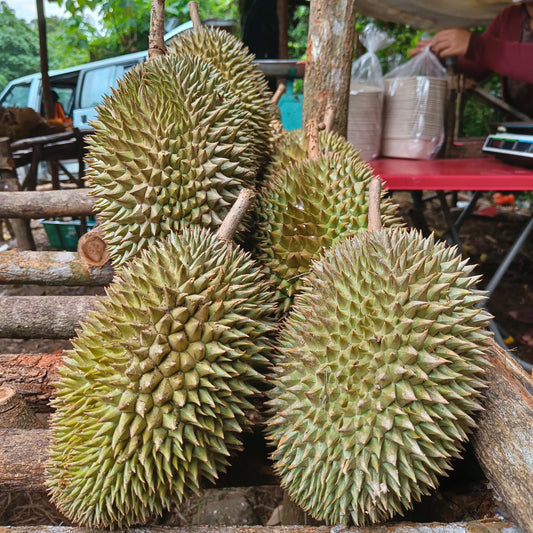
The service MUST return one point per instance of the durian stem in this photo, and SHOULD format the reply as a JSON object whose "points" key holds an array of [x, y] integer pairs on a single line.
{"points": [[313, 149], [156, 38], [195, 16], [374, 198], [232, 220], [279, 93], [329, 117]]}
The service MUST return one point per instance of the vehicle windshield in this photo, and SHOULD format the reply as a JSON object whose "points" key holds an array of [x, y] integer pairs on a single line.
{"points": [[17, 96]]}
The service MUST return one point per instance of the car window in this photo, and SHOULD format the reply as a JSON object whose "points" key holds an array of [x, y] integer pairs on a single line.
{"points": [[17, 96]]}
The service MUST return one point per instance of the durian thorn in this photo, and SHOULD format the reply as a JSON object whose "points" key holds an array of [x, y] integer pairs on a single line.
{"points": [[280, 91], [232, 220], [195, 16], [313, 148], [374, 196]]}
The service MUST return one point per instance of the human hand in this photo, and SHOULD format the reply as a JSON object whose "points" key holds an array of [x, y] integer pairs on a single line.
{"points": [[450, 42], [420, 47]]}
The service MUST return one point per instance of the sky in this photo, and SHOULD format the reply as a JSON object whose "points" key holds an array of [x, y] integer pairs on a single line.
{"points": [[27, 9]]}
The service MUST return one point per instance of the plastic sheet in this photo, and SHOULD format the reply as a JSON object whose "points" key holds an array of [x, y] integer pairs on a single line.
{"points": [[365, 105], [413, 116]]}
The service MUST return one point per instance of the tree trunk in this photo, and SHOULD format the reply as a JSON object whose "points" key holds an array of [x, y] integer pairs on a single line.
{"points": [[43, 317], [329, 60], [8, 183], [43, 204], [503, 440], [43, 54], [14, 412], [31, 375], [23, 453], [50, 268]]}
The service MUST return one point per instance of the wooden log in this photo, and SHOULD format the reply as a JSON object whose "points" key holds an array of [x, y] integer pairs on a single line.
{"points": [[93, 249], [23, 454], [50, 268], [32, 376], [45, 204], [503, 440], [8, 186], [14, 411], [42, 317], [329, 60]]}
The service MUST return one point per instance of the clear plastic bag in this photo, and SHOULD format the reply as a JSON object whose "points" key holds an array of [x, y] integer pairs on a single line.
{"points": [[415, 101], [365, 106]]}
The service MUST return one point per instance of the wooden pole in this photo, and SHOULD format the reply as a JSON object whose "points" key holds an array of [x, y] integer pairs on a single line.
{"points": [[50, 268], [156, 38], [503, 439], [43, 54], [44, 204], [43, 317], [32, 376], [329, 60], [194, 13], [9, 183]]}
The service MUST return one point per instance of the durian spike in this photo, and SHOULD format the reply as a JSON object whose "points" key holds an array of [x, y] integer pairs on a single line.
{"points": [[280, 91], [195, 15], [374, 198], [313, 149], [235, 215], [156, 38]]}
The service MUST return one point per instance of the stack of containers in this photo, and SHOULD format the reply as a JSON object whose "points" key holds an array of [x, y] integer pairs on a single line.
{"points": [[365, 104], [413, 116]]}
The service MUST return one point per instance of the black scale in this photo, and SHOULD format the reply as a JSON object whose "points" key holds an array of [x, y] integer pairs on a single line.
{"points": [[512, 143]]}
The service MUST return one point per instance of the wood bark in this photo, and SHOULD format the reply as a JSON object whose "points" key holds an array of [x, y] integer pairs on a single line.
{"points": [[9, 183], [23, 454], [329, 60], [43, 204], [14, 412], [32, 376], [43, 317], [156, 37], [503, 440], [50, 268]]}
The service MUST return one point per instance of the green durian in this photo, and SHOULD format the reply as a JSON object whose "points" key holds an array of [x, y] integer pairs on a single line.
{"points": [[381, 365], [152, 397], [171, 148], [304, 209], [235, 64]]}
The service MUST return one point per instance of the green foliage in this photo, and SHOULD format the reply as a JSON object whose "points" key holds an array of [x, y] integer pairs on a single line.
{"points": [[19, 46]]}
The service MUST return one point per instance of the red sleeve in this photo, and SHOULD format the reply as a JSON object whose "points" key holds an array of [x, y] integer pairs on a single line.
{"points": [[498, 49]]}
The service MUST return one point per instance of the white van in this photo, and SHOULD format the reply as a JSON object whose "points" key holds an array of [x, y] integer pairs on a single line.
{"points": [[81, 88]]}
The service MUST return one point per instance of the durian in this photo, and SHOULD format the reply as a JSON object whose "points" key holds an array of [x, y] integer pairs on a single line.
{"points": [[171, 148], [381, 364], [152, 397], [305, 205], [234, 62]]}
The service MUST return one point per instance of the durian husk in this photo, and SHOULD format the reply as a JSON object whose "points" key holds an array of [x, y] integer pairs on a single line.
{"points": [[171, 148], [151, 400], [380, 371], [232, 59], [305, 207]]}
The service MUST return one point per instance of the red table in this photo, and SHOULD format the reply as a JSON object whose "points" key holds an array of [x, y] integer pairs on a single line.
{"points": [[472, 174]]}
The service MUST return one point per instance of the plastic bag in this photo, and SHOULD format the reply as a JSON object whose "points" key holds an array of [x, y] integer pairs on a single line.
{"points": [[365, 106], [413, 115]]}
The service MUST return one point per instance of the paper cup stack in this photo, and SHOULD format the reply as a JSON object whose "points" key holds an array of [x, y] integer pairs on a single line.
{"points": [[365, 110], [413, 117]]}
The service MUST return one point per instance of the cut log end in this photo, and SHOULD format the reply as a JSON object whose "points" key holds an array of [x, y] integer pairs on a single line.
{"points": [[14, 412], [93, 249]]}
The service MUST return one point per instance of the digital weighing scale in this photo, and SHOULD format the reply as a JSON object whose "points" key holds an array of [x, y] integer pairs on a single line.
{"points": [[512, 143]]}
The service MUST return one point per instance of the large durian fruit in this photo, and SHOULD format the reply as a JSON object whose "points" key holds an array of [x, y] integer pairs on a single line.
{"points": [[381, 364], [306, 205], [152, 397], [233, 61], [172, 147]]}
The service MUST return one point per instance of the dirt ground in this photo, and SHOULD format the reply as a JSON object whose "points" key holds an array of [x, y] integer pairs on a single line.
{"points": [[465, 495]]}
